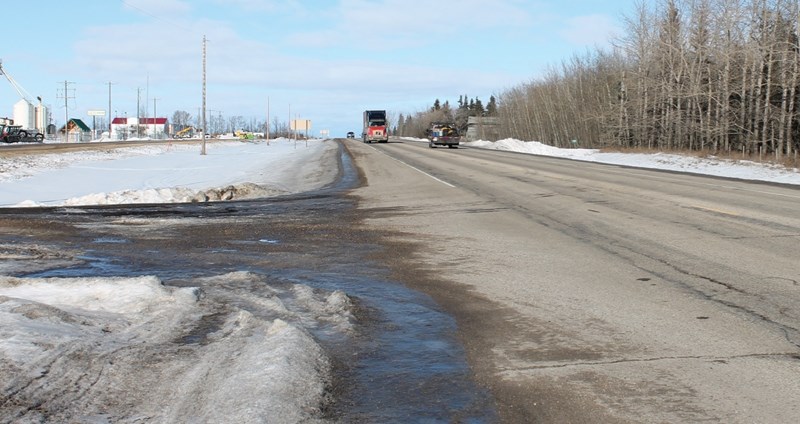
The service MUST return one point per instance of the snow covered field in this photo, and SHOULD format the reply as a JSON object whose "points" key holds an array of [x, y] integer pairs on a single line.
{"points": [[165, 173], [113, 330]]}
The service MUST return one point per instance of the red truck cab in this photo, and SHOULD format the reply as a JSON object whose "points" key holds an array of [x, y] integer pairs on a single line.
{"points": [[375, 127]]}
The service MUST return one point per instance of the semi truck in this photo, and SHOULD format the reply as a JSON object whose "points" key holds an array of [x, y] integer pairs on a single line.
{"points": [[375, 127]]}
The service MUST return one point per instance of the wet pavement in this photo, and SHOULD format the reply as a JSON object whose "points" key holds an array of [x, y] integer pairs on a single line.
{"points": [[402, 363]]}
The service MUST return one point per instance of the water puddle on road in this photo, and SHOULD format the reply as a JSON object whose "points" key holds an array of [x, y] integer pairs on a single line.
{"points": [[90, 265], [405, 364]]}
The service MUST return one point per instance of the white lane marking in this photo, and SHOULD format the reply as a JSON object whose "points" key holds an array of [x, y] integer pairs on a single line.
{"points": [[412, 167]]}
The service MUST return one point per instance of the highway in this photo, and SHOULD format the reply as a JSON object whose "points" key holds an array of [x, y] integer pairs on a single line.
{"points": [[593, 293]]}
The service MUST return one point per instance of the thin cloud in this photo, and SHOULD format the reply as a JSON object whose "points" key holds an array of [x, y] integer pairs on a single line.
{"points": [[261, 5], [590, 30], [390, 24], [162, 7]]}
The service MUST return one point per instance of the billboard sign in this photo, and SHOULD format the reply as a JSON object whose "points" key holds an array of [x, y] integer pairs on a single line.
{"points": [[301, 124]]}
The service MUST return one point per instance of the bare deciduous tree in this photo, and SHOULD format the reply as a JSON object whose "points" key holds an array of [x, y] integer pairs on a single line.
{"points": [[705, 75]]}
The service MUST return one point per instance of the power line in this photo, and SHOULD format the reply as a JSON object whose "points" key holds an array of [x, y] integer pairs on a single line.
{"points": [[66, 97], [166, 21]]}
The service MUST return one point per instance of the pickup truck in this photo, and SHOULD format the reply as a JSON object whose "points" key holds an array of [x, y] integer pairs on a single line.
{"points": [[443, 134]]}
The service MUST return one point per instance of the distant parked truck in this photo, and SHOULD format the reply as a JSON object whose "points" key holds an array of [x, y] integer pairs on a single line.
{"points": [[443, 134], [15, 134], [375, 126]]}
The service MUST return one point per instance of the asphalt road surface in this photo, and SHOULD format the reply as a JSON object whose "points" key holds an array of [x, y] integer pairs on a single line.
{"points": [[594, 293]]}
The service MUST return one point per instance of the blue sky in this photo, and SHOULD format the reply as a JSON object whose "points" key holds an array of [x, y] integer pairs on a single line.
{"points": [[326, 61]]}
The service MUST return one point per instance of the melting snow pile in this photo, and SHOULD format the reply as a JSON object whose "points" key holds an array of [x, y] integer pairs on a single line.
{"points": [[133, 349]]}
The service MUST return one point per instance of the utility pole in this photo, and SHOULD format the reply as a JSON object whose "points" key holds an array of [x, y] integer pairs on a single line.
{"points": [[155, 117], [267, 133], [138, 113], [147, 103], [205, 127], [110, 118], [66, 109]]}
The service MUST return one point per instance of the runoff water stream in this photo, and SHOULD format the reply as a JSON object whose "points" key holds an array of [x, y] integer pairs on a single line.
{"points": [[402, 364]]}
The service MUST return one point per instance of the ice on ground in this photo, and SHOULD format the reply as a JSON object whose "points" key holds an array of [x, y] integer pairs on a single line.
{"points": [[233, 349]]}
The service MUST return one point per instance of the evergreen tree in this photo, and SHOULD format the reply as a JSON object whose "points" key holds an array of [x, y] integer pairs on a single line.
{"points": [[491, 108], [447, 112], [401, 123]]}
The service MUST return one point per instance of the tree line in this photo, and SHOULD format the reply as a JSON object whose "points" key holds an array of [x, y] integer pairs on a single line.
{"points": [[706, 75], [715, 76], [219, 124], [414, 125]]}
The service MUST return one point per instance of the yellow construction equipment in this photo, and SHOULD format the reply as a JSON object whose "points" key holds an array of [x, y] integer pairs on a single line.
{"points": [[187, 132]]}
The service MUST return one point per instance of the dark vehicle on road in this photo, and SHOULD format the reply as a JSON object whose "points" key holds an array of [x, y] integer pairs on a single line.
{"points": [[443, 134], [351, 134]]}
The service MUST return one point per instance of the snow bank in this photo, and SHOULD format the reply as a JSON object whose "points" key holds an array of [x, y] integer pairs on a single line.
{"points": [[122, 349], [746, 170], [37, 314], [532, 147]]}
